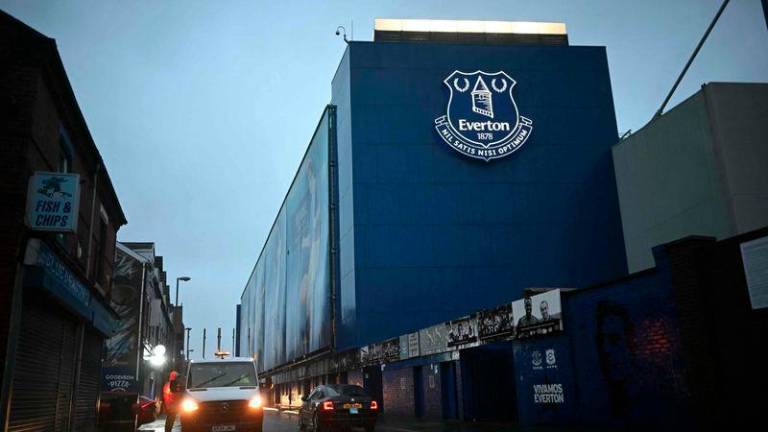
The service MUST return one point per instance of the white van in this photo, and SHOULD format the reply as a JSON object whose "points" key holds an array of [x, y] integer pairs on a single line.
{"points": [[221, 395]]}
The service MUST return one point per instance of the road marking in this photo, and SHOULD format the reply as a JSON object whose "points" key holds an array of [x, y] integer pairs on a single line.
{"points": [[281, 411], [384, 427]]}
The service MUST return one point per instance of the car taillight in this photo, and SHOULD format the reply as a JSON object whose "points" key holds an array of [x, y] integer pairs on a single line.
{"points": [[374, 405], [328, 406]]}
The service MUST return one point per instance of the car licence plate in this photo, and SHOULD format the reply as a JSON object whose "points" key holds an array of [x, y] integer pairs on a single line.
{"points": [[222, 428], [353, 410]]}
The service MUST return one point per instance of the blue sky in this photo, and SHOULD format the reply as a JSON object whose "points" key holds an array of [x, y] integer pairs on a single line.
{"points": [[202, 110]]}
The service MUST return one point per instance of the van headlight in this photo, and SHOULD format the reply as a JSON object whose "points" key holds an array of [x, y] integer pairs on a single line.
{"points": [[255, 402], [189, 405]]}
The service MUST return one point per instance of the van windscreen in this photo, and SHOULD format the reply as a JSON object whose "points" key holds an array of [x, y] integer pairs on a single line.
{"points": [[225, 374]]}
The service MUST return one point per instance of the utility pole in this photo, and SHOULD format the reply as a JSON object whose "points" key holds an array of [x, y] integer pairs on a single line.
{"points": [[188, 329], [204, 342], [765, 12], [693, 56]]}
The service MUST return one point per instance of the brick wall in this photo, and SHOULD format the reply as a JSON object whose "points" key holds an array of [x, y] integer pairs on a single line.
{"points": [[725, 329], [355, 377], [17, 93], [398, 392], [432, 394]]}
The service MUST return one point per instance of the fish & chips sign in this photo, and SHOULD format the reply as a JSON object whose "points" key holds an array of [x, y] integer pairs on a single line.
{"points": [[52, 202]]}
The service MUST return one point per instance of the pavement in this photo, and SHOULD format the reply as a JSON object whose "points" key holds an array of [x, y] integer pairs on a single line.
{"points": [[286, 421]]}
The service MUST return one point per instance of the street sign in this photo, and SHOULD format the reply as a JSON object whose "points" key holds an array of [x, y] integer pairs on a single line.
{"points": [[53, 200]]}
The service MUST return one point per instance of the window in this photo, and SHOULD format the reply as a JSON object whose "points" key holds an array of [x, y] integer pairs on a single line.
{"points": [[65, 152], [224, 374], [64, 166], [100, 259], [346, 390]]}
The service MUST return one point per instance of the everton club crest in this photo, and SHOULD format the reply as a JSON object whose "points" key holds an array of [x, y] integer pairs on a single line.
{"points": [[482, 120]]}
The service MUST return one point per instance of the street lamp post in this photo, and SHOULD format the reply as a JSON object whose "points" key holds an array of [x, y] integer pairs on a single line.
{"points": [[188, 329], [182, 278]]}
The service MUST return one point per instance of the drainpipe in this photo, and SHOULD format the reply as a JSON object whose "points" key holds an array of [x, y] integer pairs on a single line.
{"points": [[90, 228], [139, 337]]}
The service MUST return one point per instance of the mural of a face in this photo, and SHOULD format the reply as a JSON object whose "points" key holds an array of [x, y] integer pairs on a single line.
{"points": [[614, 341], [544, 309], [614, 347], [528, 306]]}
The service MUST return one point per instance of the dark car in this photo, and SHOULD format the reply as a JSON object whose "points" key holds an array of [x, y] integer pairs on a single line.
{"points": [[338, 406]]}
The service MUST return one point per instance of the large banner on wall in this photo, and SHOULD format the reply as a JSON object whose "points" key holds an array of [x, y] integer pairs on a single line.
{"points": [[288, 294], [540, 314], [119, 371], [274, 298], [308, 283]]}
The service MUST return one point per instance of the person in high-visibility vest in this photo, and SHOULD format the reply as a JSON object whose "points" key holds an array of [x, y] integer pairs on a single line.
{"points": [[170, 401]]}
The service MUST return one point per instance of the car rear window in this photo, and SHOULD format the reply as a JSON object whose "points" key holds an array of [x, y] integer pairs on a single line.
{"points": [[225, 374], [347, 390]]}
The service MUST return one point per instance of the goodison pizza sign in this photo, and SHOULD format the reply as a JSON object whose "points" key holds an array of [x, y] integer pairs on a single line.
{"points": [[482, 120]]}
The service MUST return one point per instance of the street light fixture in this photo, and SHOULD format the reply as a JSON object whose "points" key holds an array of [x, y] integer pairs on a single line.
{"points": [[184, 279]]}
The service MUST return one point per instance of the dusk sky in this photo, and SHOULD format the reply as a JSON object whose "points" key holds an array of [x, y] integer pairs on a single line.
{"points": [[203, 110]]}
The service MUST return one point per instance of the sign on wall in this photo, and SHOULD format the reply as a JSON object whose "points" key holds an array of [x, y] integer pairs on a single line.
{"points": [[482, 120], [122, 347], [539, 314], [462, 331], [496, 323], [434, 339], [53, 200], [754, 255]]}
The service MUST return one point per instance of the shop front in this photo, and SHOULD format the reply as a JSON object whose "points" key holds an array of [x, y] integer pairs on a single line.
{"points": [[57, 364]]}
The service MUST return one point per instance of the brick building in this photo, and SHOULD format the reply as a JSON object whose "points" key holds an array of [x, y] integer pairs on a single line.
{"points": [[54, 315]]}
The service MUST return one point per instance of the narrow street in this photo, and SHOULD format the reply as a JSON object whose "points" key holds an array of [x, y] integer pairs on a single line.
{"points": [[285, 421], [486, 216]]}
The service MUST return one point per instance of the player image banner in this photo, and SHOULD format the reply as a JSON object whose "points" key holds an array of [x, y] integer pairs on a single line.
{"points": [[496, 323], [462, 331], [539, 314]]}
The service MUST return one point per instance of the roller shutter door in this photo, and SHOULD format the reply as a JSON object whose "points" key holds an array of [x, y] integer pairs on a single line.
{"points": [[44, 370], [89, 383]]}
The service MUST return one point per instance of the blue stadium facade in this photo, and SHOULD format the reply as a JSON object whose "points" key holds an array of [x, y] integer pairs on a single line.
{"points": [[446, 180], [399, 230], [426, 233]]}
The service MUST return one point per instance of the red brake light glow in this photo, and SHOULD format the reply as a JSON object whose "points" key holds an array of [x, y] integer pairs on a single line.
{"points": [[374, 405], [328, 406]]}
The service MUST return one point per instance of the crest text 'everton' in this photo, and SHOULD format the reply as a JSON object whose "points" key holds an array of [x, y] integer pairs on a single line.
{"points": [[482, 120]]}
